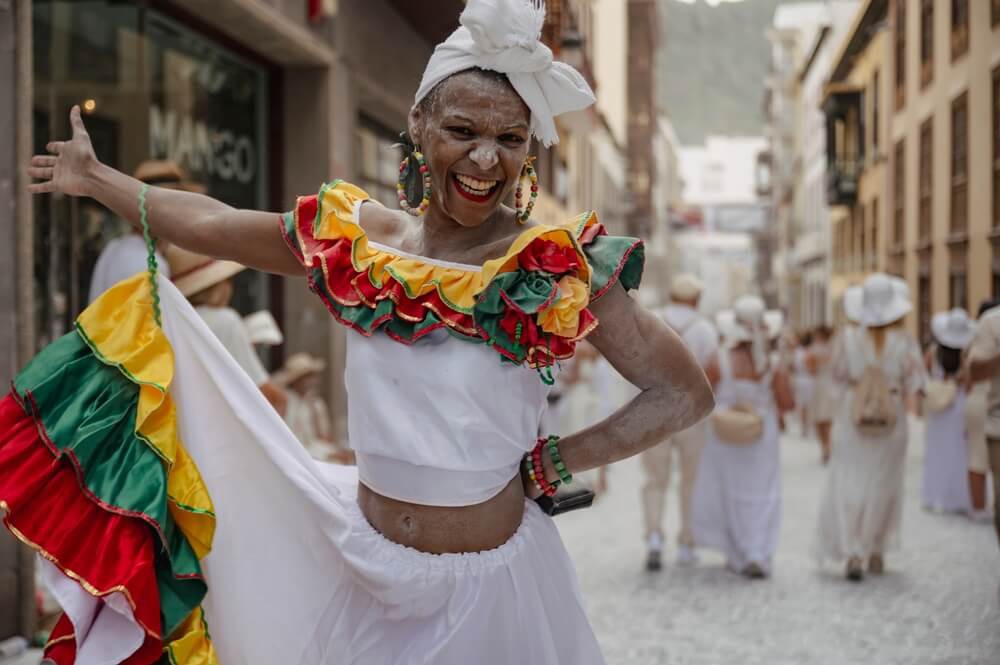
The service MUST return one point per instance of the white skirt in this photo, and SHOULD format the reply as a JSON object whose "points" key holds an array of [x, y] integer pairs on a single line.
{"points": [[862, 505], [736, 501], [946, 468], [297, 575]]}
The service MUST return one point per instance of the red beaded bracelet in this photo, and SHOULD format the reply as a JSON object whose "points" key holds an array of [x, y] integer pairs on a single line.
{"points": [[536, 470]]}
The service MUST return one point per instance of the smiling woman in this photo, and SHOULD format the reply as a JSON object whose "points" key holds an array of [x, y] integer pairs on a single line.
{"points": [[432, 549]]}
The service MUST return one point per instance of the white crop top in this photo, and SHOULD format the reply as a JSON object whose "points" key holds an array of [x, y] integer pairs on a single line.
{"points": [[441, 422]]}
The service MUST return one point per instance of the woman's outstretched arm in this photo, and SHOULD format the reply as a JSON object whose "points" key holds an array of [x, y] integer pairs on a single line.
{"points": [[193, 221], [674, 391]]}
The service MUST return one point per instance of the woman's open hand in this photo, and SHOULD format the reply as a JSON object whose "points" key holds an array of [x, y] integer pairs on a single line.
{"points": [[65, 170]]}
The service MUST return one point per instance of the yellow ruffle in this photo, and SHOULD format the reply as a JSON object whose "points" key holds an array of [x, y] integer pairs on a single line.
{"points": [[192, 646], [119, 327], [458, 287]]}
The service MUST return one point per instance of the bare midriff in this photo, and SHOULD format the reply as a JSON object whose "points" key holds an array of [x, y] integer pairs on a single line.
{"points": [[444, 530]]}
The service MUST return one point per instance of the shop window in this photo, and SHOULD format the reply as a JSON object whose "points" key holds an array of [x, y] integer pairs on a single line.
{"points": [[378, 159], [151, 88], [926, 194], [959, 164], [959, 28], [926, 42], [899, 195], [900, 53]]}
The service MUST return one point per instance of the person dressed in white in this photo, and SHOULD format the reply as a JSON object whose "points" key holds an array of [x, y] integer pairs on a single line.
{"points": [[804, 381], [702, 340], [308, 415], [824, 396], [126, 255], [736, 505], [877, 365], [946, 478], [207, 284]]}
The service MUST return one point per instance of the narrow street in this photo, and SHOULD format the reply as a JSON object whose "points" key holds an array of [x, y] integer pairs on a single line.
{"points": [[939, 602]]}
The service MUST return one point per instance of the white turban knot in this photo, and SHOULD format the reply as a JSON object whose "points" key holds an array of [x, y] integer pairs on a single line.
{"points": [[504, 36]]}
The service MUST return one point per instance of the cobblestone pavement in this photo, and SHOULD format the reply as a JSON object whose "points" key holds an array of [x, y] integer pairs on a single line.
{"points": [[937, 604]]}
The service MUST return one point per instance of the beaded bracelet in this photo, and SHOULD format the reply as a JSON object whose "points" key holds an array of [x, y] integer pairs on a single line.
{"points": [[564, 475], [536, 471]]}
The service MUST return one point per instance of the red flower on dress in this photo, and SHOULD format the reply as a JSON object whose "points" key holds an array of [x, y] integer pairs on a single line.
{"points": [[520, 327], [549, 256]]}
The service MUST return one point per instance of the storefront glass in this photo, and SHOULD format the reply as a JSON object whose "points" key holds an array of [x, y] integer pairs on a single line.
{"points": [[150, 88]]}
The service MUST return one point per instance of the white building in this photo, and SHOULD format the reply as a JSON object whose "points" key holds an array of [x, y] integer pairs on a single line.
{"points": [[810, 254], [792, 34]]}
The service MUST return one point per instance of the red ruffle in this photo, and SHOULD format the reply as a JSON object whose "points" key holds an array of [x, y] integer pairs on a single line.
{"points": [[46, 508], [61, 648]]}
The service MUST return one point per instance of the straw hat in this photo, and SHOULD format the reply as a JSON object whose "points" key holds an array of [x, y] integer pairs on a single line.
{"points": [[297, 366], [748, 312], [854, 297], [166, 173], [193, 273], [263, 329], [686, 287], [953, 329]]}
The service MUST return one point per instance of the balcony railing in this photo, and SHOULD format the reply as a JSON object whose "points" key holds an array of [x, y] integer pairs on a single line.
{"points": [[842, 182]]}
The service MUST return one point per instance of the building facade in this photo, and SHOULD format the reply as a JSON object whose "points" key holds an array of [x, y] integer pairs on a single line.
{"points": [[791, 35], [857, 130], [643, 42], [809, 257], [944, 153]]}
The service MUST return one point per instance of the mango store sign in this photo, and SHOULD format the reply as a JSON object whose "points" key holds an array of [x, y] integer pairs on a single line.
{"points": [[205, 150]]}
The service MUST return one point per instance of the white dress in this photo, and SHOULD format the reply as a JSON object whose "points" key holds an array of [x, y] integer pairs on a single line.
{"points": [[736, 504], [946, 474], [862, 503]]}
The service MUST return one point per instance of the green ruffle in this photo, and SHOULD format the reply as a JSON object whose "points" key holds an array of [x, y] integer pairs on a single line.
{"points": [[88, 408], [613, 259]]}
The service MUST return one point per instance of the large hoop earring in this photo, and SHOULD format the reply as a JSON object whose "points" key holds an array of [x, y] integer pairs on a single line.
{"points": [[527, 172], [404, 174]]}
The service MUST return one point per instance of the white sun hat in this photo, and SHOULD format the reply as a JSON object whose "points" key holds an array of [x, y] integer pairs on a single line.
{"points": [[953, 329], [854, 297], [748, 312], [686, 287], [879, 301], [263, 329]]}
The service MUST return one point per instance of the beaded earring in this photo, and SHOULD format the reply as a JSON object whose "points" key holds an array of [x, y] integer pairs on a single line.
{"points": [[405, 174], [527, 171]]}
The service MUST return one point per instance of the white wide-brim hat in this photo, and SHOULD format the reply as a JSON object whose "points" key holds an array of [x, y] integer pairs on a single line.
{"points": [[263, 329], [686, 287], [879, 301], [854, 297], [953, 329], [736, 324]]}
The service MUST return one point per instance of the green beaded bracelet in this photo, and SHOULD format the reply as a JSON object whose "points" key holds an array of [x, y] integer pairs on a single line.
{"points": [[564, 475]]}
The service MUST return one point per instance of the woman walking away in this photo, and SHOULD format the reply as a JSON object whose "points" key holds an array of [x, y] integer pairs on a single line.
{"points": [[736, 506], [824, 390], [946, 477], [878, 366], [803, 382], [431, 549]]}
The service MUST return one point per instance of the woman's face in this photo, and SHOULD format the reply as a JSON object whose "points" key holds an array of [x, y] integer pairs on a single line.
{"points": [[475, 137]]}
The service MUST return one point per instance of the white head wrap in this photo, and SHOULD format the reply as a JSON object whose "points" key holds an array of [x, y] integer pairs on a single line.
{"points": [[504, 36]]}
